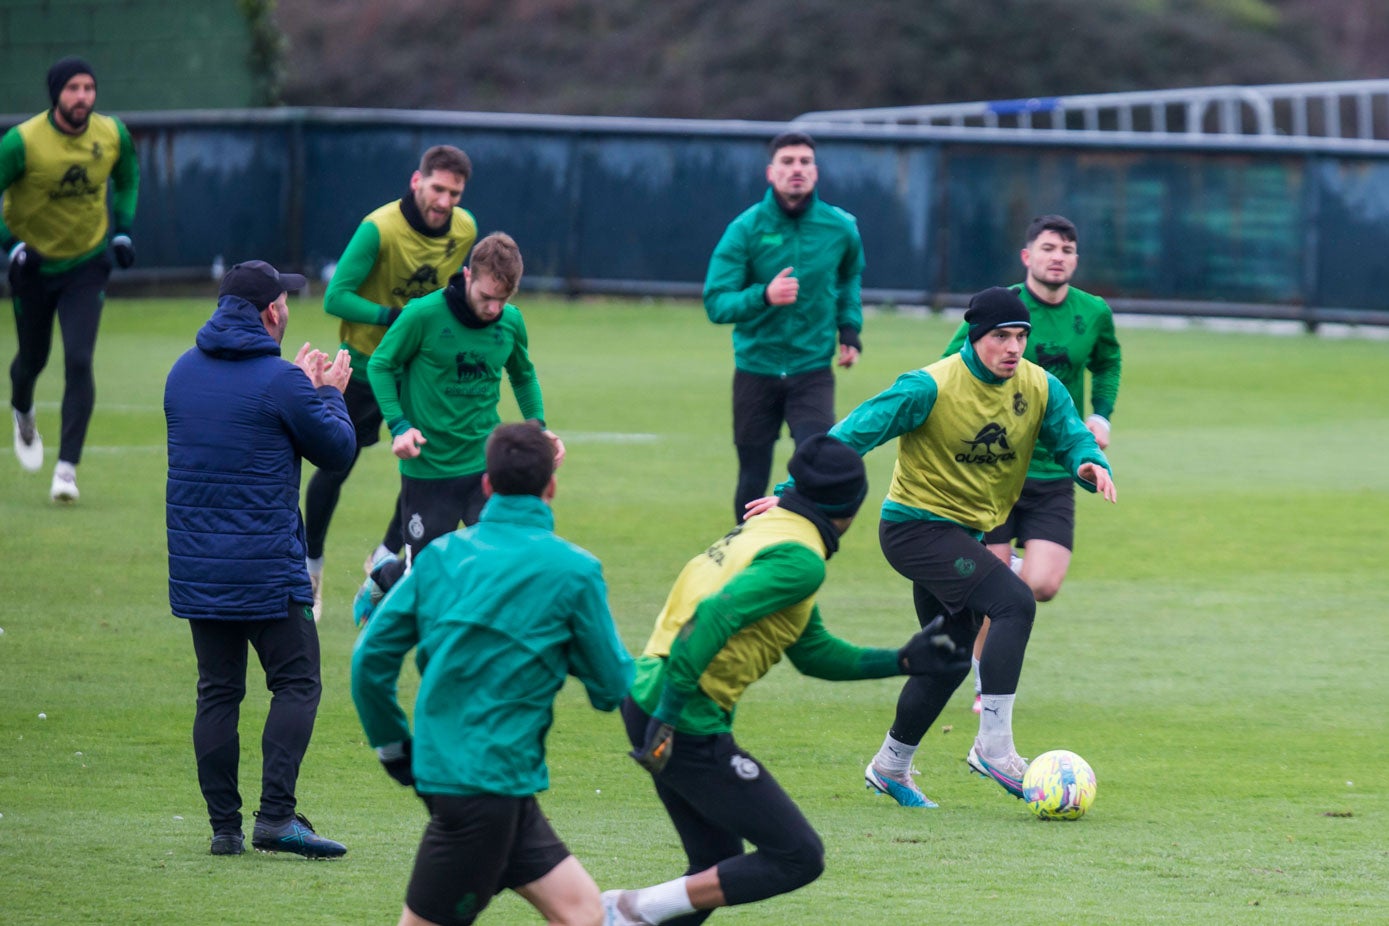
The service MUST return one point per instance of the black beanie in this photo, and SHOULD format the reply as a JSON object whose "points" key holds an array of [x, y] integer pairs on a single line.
{"points": [[996, 307], [64, 70], [829, 474]]}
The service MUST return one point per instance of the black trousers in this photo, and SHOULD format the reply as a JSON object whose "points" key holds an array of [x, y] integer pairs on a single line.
{"points": [[760, 404], [288, 652], [954, 574], [74, 298], [717, 796]]}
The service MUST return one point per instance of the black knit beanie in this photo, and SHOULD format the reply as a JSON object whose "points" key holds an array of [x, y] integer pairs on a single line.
{"points": [[996, 307], [64, 70], [829, 474]]}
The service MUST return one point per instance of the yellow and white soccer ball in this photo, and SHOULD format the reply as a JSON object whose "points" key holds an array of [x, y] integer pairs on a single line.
{"points": [[1059, 785]]}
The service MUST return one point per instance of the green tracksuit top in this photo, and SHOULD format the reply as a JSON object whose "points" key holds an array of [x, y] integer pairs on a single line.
{"points": [[730, 615], [443, 375], [967, 437], [499, 614], [1066, 340], [55, 187], [823, 247]]}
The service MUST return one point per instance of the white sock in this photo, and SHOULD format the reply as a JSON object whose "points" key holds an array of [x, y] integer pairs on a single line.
{"points": [[64, 468], [660, 902], [1015, 563], [978, 683], [315, 565], [380, 551], [894, 758], [996, 725]]}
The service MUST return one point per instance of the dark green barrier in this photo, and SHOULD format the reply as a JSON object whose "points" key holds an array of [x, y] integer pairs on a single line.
{"points": [[636, 206]]}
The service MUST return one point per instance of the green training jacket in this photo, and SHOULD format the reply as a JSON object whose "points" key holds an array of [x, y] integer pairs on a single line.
{"points": [[823, 247], [499, 615]]}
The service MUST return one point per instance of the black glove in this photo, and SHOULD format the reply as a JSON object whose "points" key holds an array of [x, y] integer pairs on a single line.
{"points": [[391, 316], [849, 338], [398, 766], [931, 651], [123, 250], [655, 752]]}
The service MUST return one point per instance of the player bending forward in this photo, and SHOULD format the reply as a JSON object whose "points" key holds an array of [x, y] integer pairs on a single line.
{"points": [[734, 610]]}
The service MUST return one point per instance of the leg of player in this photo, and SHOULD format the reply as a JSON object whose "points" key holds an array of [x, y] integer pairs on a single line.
{"points": [[1044, 567], [920, 702], [1009, 602], [566, 894], [1003, 551], [79, 316]]}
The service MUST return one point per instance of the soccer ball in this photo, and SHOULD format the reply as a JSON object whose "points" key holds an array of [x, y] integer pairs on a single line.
{"points": [[1059, 785]]}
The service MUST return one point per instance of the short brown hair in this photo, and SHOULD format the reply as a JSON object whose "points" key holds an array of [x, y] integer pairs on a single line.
{"points": [[449, 158], [520, 459], [498, 255]]}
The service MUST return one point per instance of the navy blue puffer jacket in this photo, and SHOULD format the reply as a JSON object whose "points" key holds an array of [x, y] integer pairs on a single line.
{"points": [[240, 418]]}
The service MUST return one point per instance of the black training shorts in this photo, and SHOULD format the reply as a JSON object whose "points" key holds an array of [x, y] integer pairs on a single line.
{"points": [[1046, 510], [476, 847]]}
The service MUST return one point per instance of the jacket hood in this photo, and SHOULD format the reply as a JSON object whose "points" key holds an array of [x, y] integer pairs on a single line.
{"points": [[235, 332]]}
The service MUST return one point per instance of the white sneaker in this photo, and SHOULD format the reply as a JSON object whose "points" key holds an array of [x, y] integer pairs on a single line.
{"points": [[64, 487], [316, 580], [900, 788], [28, 445], [1007, 771], [616, 912]]}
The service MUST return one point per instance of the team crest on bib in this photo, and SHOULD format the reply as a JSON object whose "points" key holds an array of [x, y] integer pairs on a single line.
{"points": [[1019, 404], [416, 526], [744, 768]]}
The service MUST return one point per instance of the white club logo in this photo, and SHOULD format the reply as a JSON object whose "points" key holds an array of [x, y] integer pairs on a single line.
{"points": [[745, 768]]}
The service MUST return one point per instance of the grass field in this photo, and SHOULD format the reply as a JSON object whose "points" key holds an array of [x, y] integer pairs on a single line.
{"points": [[1217, 653]]}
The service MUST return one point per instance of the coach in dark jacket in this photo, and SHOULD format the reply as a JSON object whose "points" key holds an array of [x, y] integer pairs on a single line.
{"points": [[240, 420]]}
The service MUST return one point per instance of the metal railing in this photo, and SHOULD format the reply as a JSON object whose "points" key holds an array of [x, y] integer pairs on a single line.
{"points": [[1342, 113]]}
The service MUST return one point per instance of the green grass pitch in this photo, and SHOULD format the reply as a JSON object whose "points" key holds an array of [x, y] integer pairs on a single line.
{"points": [[1217, 653]]}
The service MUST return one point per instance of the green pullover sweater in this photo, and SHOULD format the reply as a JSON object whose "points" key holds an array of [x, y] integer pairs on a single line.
{"points": [[55, 188], [967, 437], [442, 373], [1067, 339], [732, 613], [393, 257]]}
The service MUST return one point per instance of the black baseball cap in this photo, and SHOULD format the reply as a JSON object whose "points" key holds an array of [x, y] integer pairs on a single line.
{"points": [[259, 283]]}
